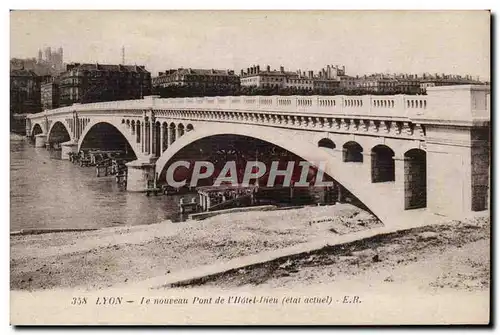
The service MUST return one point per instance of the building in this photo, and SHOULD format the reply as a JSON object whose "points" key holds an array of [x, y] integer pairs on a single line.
{"points": [[24, 97], [300, 82], [327, 78], [384, 83], [377, 83], [349, 83], [445, 80], [86, 83], [24, 92], [49, 92], [200, 78], [408, 84], [268, 78]]}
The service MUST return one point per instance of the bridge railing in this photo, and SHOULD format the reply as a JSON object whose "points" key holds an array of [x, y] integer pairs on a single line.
{"points": [[376, 106], [393, 106]]}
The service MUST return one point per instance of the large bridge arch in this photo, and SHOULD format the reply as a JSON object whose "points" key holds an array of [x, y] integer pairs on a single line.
{"points": [[302, 145], [121, 128]]}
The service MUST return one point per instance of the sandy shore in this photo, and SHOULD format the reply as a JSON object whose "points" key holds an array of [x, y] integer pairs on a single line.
{"points": [[455, 256], [111, 256]]}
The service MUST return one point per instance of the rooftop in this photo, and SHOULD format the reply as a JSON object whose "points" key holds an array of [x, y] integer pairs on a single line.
{"points": [[107, 67], [22, 73], [202, 72]]}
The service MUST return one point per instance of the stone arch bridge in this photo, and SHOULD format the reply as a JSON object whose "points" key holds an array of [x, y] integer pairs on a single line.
{"points": [[396, 154]]}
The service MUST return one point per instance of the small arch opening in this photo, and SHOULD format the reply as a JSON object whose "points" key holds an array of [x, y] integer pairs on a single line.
{"points": [[352, 152], [180, 129], [138, 132], [171, 132], [382, 164], [156, 138], [326, 143], [164, 130], [415, 164]]}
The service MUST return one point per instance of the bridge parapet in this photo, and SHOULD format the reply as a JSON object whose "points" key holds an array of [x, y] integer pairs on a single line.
{"points": [[400, 116], [452, 103], [393, 106]]}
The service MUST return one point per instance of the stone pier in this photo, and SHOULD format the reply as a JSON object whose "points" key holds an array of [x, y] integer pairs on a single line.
{"points": [[40, 140], [67, 148], [138, 174]]}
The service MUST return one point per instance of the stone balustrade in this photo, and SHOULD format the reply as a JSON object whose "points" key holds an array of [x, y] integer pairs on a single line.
{"points": [[396, 107]]}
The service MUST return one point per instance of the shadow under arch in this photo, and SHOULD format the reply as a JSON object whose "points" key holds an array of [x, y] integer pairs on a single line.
{"points": [[96, 131], [383, 167], [326, 143], [352, 152], [37, 129], [415, 185], [308, 150]]}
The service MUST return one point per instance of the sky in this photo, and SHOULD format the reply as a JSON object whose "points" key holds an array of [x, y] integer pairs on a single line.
{"points": [[456, 42]]}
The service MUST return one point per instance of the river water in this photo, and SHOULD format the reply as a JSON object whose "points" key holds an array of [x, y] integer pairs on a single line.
{"points": [[46, 192]]}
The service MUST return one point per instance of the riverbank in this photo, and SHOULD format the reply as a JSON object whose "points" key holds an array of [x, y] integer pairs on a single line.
{"points": [[17, 137], [454, 256], [434, 274], [118, 255]]}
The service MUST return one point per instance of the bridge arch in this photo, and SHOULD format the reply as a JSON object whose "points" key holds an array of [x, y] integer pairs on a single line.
{"points": [[93, 126], [365, 191], [383, 167], [58, 132], [36, 129]]}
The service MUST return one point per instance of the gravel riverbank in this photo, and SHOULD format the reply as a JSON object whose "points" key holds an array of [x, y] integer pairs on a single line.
{"points": [[455, 256], [110, 256]]}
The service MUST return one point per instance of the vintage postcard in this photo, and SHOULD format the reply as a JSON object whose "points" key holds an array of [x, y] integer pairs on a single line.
{"points": [[250, 167]]}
